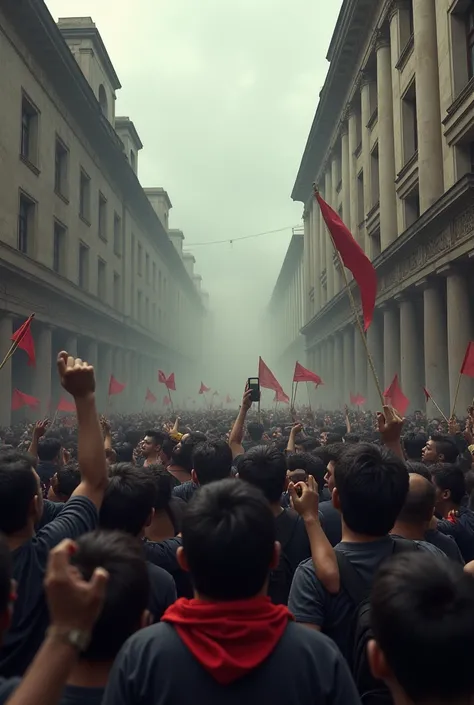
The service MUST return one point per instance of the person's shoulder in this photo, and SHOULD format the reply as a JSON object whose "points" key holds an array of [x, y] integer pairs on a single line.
{"points": [[159, 574], [7, 686], [153, 640]]}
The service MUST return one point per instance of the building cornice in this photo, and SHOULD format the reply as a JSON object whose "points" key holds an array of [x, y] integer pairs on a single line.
{"points": [[127, 124], [90, 32]]}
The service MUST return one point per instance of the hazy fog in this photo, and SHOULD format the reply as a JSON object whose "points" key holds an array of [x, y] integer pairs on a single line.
{"points": [[222, 93]]}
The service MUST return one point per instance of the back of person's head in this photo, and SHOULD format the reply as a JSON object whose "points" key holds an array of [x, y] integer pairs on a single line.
{"points": [[371, 485], [229, 540], [422, 613], [18, 488], [308, 444], [212, 460], [255, 431], [333, 437], [352, 438], [49, 448], [419, 504], [167, 448], [264, 467], [127, 591], [446, 447], [182, 455], [5, 579], [310, 464], [163, 483], [124, 452], [68, 478], [419, 469], [128, 499], [413, 444], [449, 478]]}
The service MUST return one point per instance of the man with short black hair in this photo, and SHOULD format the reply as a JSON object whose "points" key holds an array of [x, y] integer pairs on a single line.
{"points": [[457, 521], [422, 614], [152, 445], [255, 431], [440, 449], [330, 515], [211, 461], [413, 445], [231, 643], [181, 463], [64, 482]]}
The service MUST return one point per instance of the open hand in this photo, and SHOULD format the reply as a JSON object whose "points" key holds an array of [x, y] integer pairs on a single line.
{"points": [[390, 424], [246, 399], [76, 376], [40, 428]]}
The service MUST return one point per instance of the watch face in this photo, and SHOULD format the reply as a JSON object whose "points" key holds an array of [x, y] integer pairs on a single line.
{"points": [[79, 639]]}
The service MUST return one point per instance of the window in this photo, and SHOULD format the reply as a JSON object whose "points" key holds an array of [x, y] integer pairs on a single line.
{"points": [[133, 160], [60, 168], [409, 123], [139, 259], [154, 275], [102, 217], [59, 245], [470, 40], [85, 196], [147, 267], [83, 266], [360, 198], [374, 172], [29, 131], [139, 306], [103, 100], [117, 292], [412, 208], [101, 280], [117, 234], [26, 220]]}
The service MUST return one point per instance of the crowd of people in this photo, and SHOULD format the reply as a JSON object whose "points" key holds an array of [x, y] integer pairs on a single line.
{"points": [[283, 557]]}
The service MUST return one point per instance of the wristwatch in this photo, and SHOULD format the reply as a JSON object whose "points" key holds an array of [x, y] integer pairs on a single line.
{"points": [[78, 638]]}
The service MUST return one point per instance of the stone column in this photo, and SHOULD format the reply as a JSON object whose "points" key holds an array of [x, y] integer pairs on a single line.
{"points": [[365, 84], [6, 330], [428, 111], [42, 373], [436, 347], [388, 202], [375, 344], [323, 244], [106, 370], [346, 176], [307, 266], [331, 381], [330, 273], [459, 332], [353, 196], [391, 344], [315, 255], [411, 375], [335, 168], [360, 360], [71, 345], [339, 370], [349, 364]]}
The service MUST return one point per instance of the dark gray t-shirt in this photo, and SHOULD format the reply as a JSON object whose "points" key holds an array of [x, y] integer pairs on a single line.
{"points": [[30, 616], [162, 591], [7, 686], [154, 666], [331, 522], [311, 603], [76, 695]]}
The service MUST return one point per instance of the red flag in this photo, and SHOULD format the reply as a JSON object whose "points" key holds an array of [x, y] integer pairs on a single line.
{"points": [[281, 397], [115, 387], [267, 378], [304, 375], [161, 377], [396, 397], [468, 363], [228, 399], [20, 399], [358, 400], [25, 340], [427, 394], [203, 389], [353, 258], [150, 397], [353, 399], [170, 382], [66, 405], [166, 400]]}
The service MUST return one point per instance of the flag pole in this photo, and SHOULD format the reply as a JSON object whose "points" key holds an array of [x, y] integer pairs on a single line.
{"points": [[456, 395], [15, 344], [309, 397], [354, 311], [435, 404], [171, 400], [294, 396]]}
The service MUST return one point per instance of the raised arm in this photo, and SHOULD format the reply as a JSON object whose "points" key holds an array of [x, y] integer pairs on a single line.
{"points": [[297, 428], [390, 425], [77, 378], [38, 432], [237, 434]]}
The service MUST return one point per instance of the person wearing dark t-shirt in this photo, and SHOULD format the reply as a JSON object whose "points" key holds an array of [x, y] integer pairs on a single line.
{"points": [[231, 644], [370, 489], [255, 433], [457, 521], [7, 595], [151, 446], [124, 610], [21, 506], [128, 506], [211, 461], [168, 510], [422, 616]]}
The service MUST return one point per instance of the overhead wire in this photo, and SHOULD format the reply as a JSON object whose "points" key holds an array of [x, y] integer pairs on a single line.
{"points": [[231, 240]]}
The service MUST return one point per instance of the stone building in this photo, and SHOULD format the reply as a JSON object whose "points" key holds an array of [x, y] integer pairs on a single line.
{"points": [[284, 319], [82, 244], [391, 149]]}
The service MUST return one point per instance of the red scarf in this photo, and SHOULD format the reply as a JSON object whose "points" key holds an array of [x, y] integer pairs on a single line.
{"points": [[229, 639]]}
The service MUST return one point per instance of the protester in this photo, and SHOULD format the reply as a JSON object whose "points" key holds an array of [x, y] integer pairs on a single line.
{"points": [[152, 446], [457, 521], [211, 460], [440, 449], [64, 481]]}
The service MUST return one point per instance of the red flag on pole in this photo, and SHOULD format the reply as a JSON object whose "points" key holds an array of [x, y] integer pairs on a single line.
{"points": [[353, 258], [267, 378], [353, 399], [25, 340], [150, 397], [169, 382], [161, 377], [468, 363], [304, 375], [20, 399], [396, 397], [357, 399], [115, 387], [281, 397], [203, 389], [66, 405], [166, 400], [427, 394]]}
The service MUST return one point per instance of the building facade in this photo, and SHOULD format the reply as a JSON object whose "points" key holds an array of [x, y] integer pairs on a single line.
{"points": [[392, 150], [82, 244], [284, 318]]}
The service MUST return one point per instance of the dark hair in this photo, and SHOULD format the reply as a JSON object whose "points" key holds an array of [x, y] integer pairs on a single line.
{"points": [[333, 451], [128, 499], [158, 437], [264, 467], [308, 462], [49, 448], [446, 447], [127, 591], [163, 483], [352, 438], [167, 447], [372, 484], [419, 469], [419, 503], [450, 477], [5, 575], [255, 431], [18, 486], [228, 539], [308, 444], [68, 478], [212, 460], [413, 444], [182, 454], [423, 609], [124, 452], [332, 438]]}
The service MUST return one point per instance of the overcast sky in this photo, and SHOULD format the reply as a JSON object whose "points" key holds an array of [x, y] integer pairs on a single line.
{"points": [[222, 93]]}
